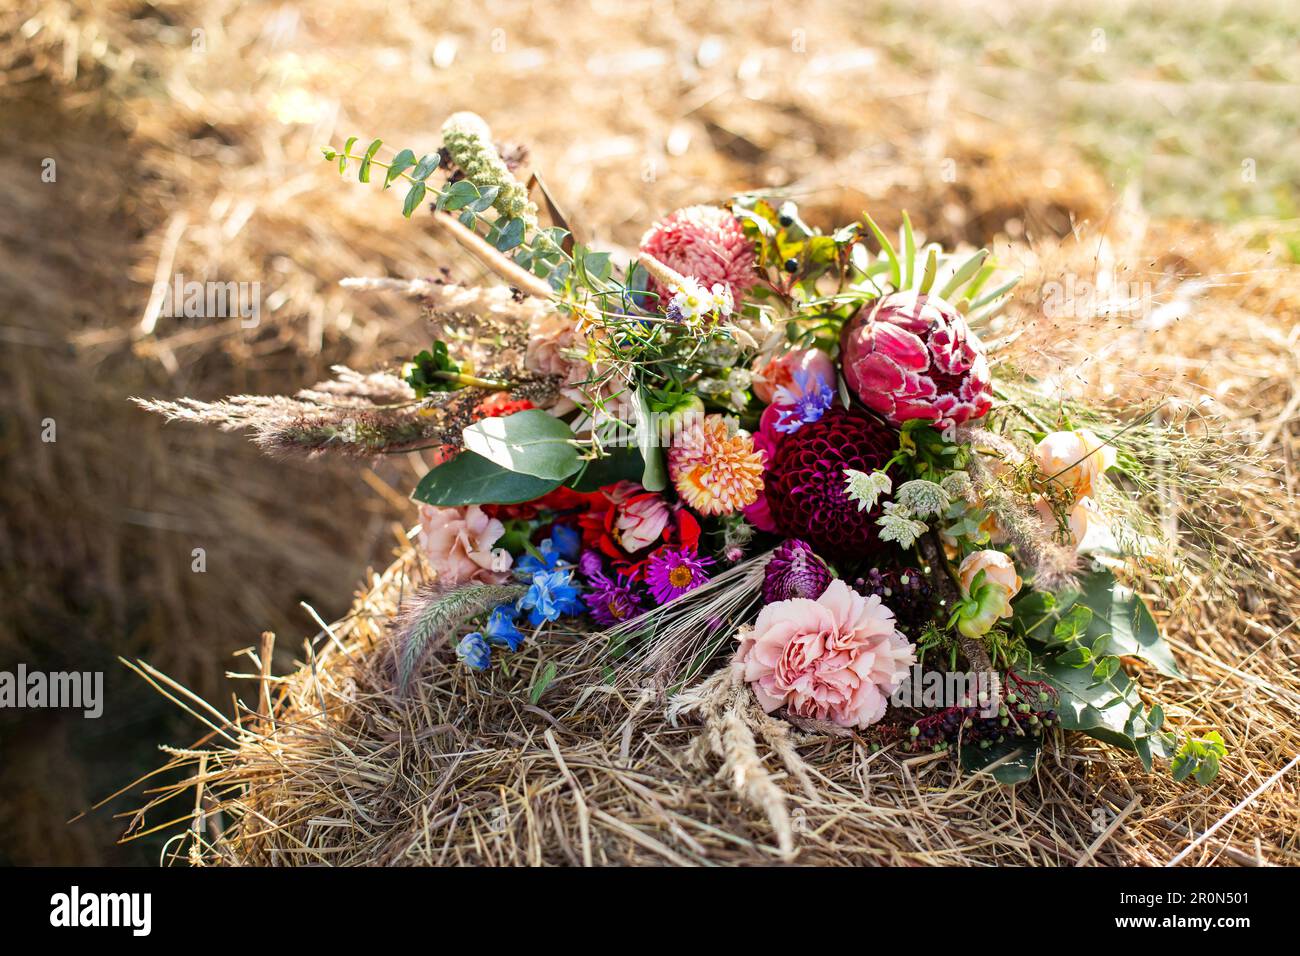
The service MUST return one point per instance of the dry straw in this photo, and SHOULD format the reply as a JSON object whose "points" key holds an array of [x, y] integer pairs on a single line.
{"points": [[214, 173], [474, 769]]}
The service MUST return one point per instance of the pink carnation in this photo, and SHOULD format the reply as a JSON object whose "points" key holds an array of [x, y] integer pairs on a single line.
{"points": [[457, 542], [705, 242], [837, 658]]}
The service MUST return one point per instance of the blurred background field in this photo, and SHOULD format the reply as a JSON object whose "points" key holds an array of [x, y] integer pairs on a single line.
{"points": [[185, 140]]}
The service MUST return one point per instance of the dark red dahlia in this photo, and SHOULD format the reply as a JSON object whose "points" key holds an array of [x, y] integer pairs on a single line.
{"points": [[805, 484]]}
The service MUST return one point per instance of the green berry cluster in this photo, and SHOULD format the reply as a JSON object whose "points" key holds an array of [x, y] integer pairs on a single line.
{"points": [[469, 143]]}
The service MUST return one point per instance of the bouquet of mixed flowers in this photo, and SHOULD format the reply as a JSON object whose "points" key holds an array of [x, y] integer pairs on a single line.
{"points": [[755, 457]]}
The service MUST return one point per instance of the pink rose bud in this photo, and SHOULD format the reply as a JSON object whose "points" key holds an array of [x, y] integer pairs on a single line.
{"points": [[999, 585]]}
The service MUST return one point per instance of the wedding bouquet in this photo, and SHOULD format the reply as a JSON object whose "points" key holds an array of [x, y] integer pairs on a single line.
{"points": [[755, 458]]}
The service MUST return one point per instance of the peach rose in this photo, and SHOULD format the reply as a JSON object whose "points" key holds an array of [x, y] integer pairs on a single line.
{"points": [[1073, 460], [837, 658], [998, 570], [778, 371], [1078, 518], [458, 542]]}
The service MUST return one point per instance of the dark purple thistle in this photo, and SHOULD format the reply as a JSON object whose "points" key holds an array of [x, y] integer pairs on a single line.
{"points": [[794, 571]]}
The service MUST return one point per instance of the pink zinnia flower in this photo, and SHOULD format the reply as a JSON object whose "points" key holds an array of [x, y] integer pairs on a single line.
{"points": [[837, 658], [706, 243], [458, 544], [913, 356]]}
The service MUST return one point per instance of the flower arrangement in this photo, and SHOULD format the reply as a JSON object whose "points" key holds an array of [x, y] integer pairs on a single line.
{"points": [[755, 448]]}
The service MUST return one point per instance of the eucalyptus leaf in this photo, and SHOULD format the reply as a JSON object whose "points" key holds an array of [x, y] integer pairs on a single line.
{"points": [[1111, 711], [1021, 754], [414, 196], [470, 479], [1117, 612], [621, 464], [654, 477], [531, 442]]}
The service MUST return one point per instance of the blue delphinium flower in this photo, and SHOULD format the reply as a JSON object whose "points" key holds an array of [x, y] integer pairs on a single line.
{"points": [[551, 594], [805, 403], [474, 651], [567, 541], [501, 627], [548, 558]]}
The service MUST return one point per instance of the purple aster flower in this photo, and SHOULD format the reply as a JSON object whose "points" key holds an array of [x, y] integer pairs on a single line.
{"points": [[806, 402], [613, 602], [590, 564], [671, 572], [794, 571]]}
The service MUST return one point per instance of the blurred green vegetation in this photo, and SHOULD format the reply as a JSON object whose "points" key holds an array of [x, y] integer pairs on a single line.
{"points": [[1196, 103]]}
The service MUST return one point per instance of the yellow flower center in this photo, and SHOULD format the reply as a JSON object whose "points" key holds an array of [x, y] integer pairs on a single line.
{"points": [[679, 576]]}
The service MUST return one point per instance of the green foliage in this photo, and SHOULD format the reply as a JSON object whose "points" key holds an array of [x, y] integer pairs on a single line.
{"points": [[1199, 757], [1103, 607], [542, 682], [1021, 755], [470, 479], [433, 371], [655, 475], [532, 442]]}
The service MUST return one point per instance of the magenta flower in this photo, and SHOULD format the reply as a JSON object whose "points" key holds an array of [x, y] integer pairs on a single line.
{"points": [[794, 571], [671, 572], [613, 601], [706, 243], [913, 356]]}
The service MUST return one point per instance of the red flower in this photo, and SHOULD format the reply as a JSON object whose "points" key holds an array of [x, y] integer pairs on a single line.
{"points": [[500, 404], [805, 486], [601, 529]]}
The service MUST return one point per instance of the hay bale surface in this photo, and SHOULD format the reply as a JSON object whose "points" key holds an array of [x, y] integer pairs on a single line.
{"points": [[330, 766]]}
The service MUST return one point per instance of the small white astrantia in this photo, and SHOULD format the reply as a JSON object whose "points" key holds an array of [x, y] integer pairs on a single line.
{"points": [[958, 485], [923, 498], [722, 301], [898, 525], [866, 489]]}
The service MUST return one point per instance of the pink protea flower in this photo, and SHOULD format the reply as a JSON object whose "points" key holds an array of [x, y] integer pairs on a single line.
{"points": [[715, 472], [706, 243], [913, 356], [836, 658], [458, 544]]}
